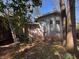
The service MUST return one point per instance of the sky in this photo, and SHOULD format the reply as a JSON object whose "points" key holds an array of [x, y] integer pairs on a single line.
{"points": [[77, 11], [49, 5]]}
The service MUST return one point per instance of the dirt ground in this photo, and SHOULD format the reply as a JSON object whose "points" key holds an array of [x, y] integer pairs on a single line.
{"points": [[11, 51], [6, 52]]}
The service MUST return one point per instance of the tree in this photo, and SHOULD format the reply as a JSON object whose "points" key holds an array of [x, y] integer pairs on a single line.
{"points": [[37, 3], [72, 23], [19, 17], [64, 19], [5, 32]]}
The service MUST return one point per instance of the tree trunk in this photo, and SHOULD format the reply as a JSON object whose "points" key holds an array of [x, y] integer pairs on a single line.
{"points": [[36, 11], [72, 25], [64, 19], [70, 44]]}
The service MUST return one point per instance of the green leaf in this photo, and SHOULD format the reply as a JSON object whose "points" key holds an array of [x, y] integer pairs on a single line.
{"points": [[37, 2], [69, 56]]}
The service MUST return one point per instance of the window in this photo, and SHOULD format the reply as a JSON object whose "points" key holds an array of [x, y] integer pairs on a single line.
{"points": [[52, 24], [57, 25], [57, 22]]}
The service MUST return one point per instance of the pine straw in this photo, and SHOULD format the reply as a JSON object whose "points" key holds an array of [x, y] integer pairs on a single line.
{"points": [[46, 51], [37, 50]]}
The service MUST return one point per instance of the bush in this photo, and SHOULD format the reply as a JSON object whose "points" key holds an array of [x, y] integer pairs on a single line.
{"points": [[23, 37]]}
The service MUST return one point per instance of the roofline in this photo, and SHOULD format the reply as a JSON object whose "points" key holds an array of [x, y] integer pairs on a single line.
{"points": [[50, 13]]}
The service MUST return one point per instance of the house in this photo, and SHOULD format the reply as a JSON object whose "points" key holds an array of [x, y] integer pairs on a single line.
{"points": [[51, 24]]}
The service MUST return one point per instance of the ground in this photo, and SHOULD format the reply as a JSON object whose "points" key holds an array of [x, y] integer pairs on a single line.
{"points": [[10, 51], [36, 49]]}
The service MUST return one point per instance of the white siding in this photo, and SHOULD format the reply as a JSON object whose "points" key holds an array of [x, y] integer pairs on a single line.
{"points": [[51, 25]]}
